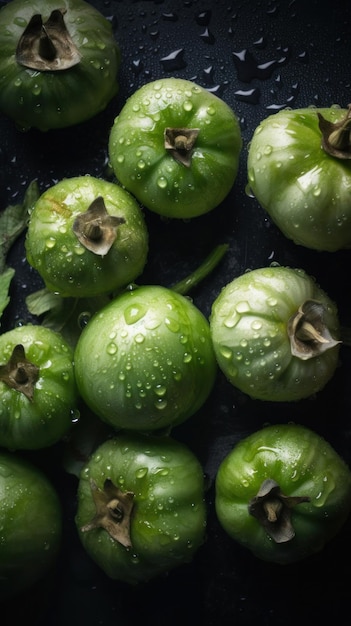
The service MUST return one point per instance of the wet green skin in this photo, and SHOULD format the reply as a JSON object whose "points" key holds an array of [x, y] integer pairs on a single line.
{"points": [[305, 191], [65, 265], [30, 522], [249, 321], [145, 361], [39, 423], [303, 464], [169, 515], [143, 165], [48, 100]]}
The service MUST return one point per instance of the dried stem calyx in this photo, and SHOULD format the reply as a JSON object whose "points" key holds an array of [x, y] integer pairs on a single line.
{"points": [[180, 143], [308, 332], [19, 373], [273, 510], [113, 511], [47, 46], [336, 136], [96, 229]]}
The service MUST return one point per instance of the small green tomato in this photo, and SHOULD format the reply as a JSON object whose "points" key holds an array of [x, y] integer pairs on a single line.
{"points": [[276, 334], [283, 492], [86, 237], [38, 393], [30, 522], [141, 508], [175, 146], [145, 361], [58, 62]]}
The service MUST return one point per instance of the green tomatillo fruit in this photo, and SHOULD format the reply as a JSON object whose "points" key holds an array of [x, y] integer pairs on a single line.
{"points": [[283, 492], [58, 62], [299, 169], [30, 522], [145, 361], [141, 508], [86, 237], [176, 147], [276, 334], [38, 393]]}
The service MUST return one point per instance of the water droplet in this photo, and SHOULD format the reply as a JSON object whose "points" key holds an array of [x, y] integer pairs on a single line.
{"points": [[203, 18], [141, 472], [251, 96], [174, 61], [111, 348], [162, 182], [160, 390], [170, 17], [134, 313], [172, 324], [50, 243], [207, 36]]}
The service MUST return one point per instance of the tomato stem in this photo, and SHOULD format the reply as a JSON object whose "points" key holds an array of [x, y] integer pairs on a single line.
{"points": [[336, 137], [96, 229], [113, 512], [19, 373], [309, 335], [47, 46], [208, 265], [180, 143], [273, 510]]}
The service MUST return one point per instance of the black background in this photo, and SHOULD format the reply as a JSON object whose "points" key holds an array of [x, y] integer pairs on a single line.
{"points": [[310, 44]]}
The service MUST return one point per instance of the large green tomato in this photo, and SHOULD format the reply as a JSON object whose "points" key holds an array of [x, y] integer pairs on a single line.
{"points": [[38, 393], [145, 361], [176, 147], [299, 169], [276, 334], [141, 508], [58, 62], [283, 492], [86, 237], [30, 522]]}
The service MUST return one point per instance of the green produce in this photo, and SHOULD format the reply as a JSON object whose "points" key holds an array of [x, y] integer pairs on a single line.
{"points": [[299, 169], [275, 334], [58, 62], [86, 237], [30, 522], [283, 492], [145, 361], [38, 393], [141, 509], [175, 146]]}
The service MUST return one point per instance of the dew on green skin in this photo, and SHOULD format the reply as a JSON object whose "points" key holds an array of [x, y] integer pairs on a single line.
{"points": [[141, 472], [162, 182], [134, 313], [50, 243], [111, 348], [231, 320]]}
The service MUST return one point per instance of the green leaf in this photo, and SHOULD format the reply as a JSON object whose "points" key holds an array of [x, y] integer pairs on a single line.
{"points": [[64, 315], [14, 220], [5, 280]]}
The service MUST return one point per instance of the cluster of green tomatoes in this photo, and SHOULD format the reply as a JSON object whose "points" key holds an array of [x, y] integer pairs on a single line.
{"points": [[147, 359]]}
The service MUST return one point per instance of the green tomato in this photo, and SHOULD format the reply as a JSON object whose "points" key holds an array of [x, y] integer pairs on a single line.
{"points": [[300, 172], [30, 522], [145, 361], [283, 492], [141, 508], [275, 334], [176, 147], [38, 391], [58, 62], [86, 237]]}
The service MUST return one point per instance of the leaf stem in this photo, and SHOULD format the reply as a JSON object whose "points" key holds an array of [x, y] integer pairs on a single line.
{"points": [[186, 284]]}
